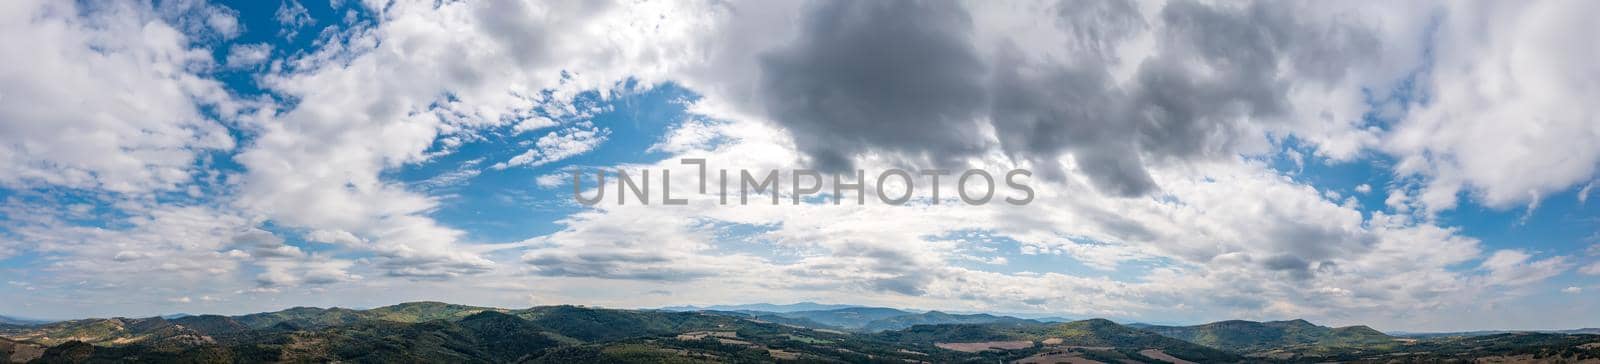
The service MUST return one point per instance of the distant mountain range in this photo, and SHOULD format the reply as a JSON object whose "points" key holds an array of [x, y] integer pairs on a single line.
{"points": [[9, 320], [443, 332], [763, 307], [852, 318]]}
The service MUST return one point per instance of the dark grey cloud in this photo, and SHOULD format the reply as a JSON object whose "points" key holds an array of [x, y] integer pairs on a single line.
{"points": [[1096, 26], [1296, 267], [613, 265], [505, 20], [895, 76], [428, 267], [1316, 240], [870, 268], [263, 244], [1040, 113], [906, 78]]}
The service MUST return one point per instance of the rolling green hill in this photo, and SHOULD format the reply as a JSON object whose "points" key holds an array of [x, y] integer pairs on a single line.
{"points": [[1250, 336], [423, 311], [302, 317], [1521, 347], [152, 330], [212, 325], [1100, 334], [555, 334], [1104, 333], [440, 332], [12, 351]]}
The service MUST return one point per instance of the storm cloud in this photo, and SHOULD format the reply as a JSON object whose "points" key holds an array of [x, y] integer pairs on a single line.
{"points": [[909, 81], [895, 76]]}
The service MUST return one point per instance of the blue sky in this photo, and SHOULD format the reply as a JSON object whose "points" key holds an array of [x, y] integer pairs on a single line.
{"points": [[1396, 171]]}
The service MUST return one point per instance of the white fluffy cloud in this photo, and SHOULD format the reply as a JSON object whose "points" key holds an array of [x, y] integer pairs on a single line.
{"points": [[451, 70], [1231, 239], [560, 145], [1234, 236], [1512, 268], [317, 165], [109, 100], [248, 55], [1503, 112]]}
